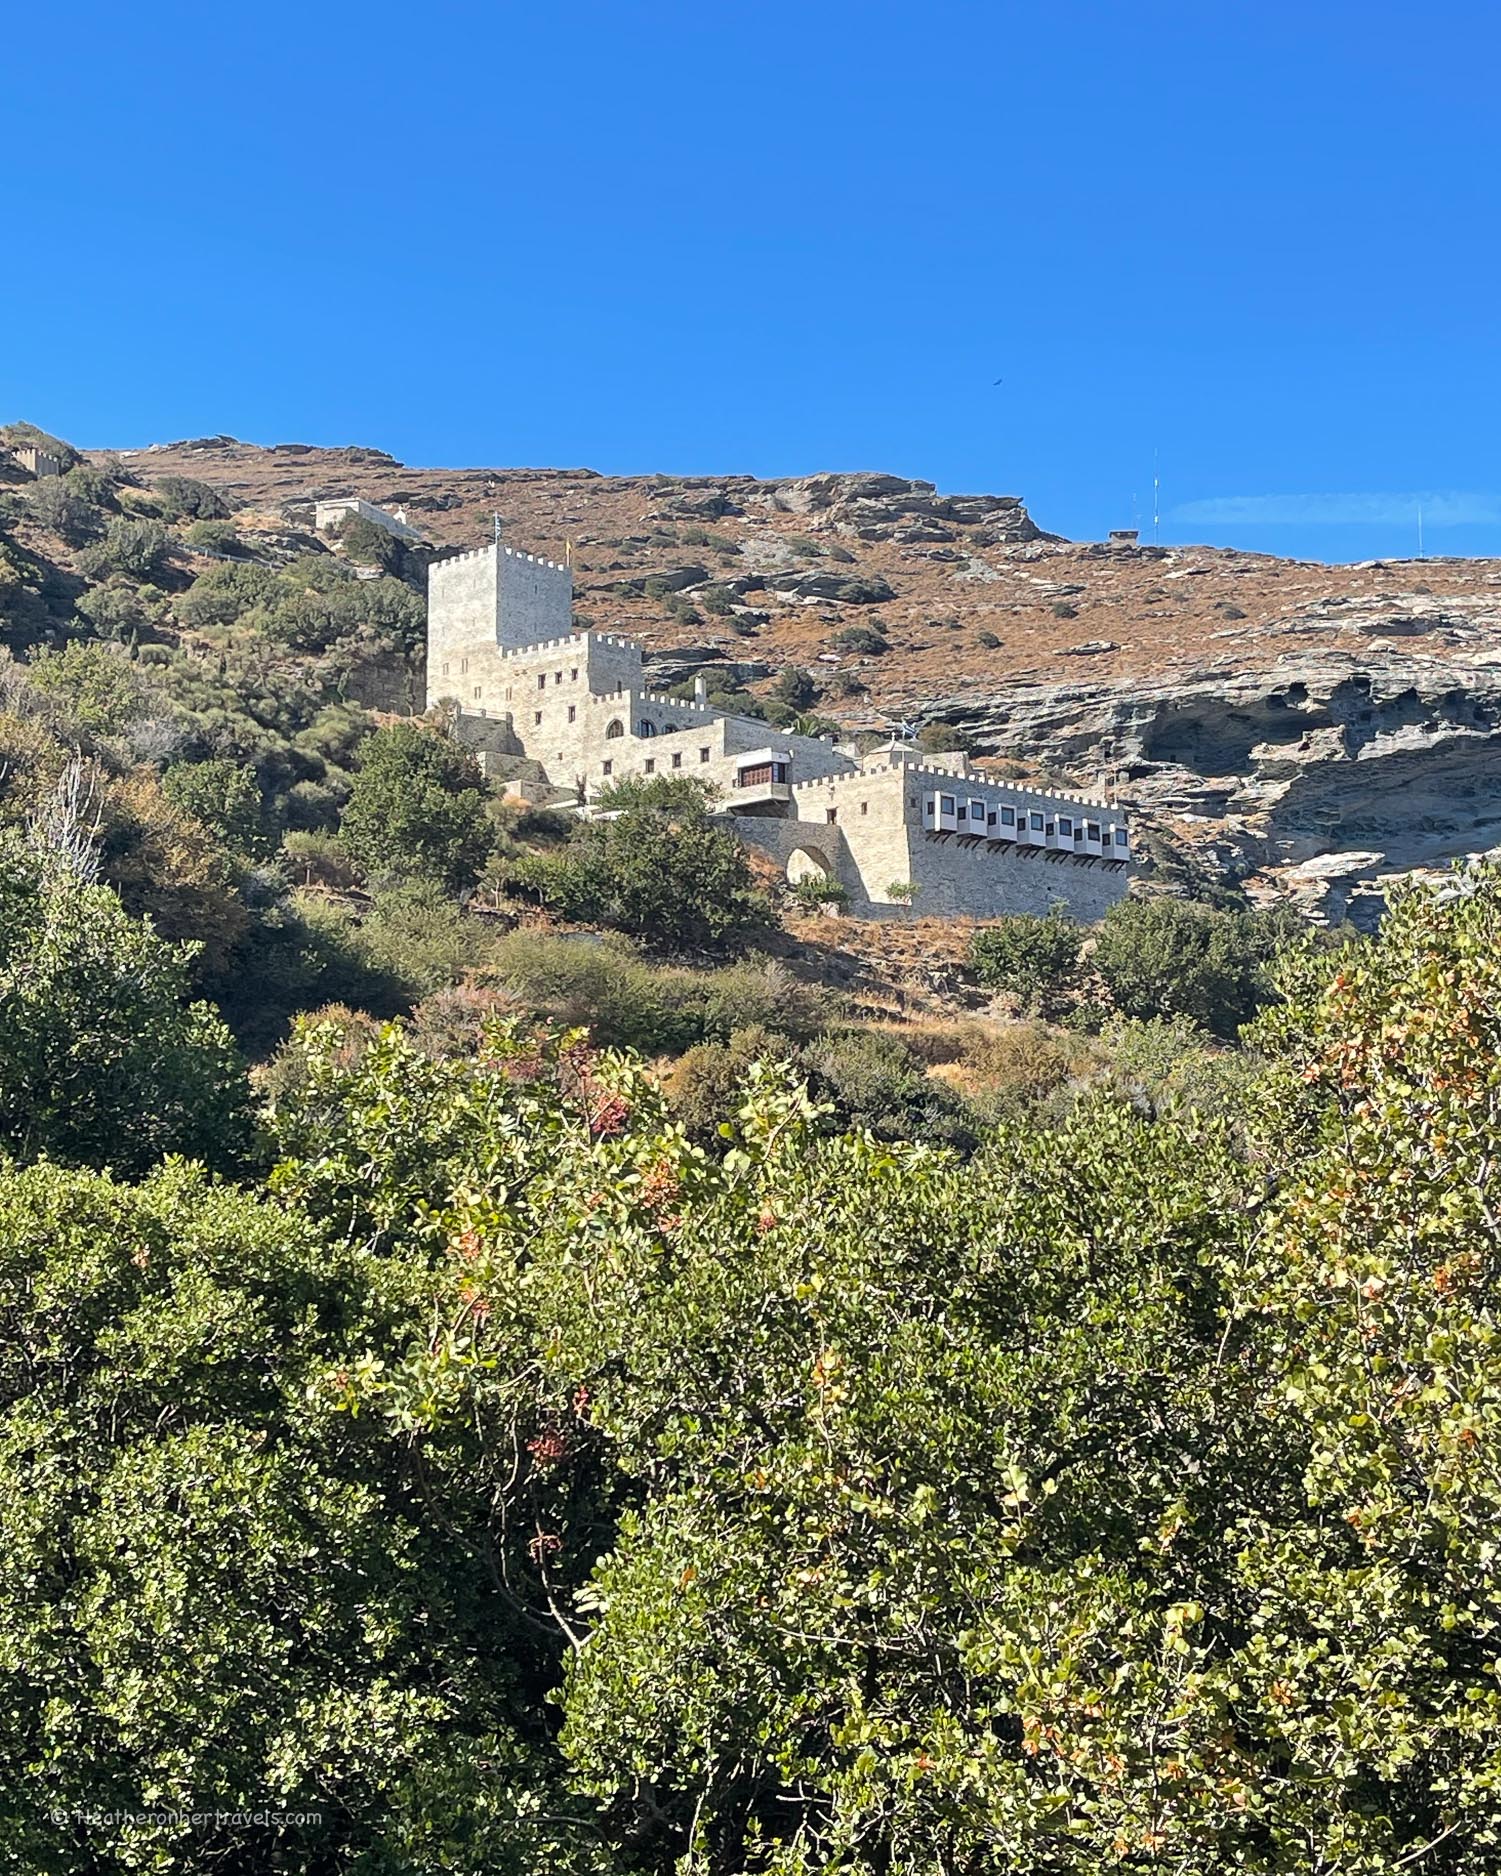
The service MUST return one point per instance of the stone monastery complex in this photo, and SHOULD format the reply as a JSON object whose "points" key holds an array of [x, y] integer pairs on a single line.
{"points": [[566, 713]]}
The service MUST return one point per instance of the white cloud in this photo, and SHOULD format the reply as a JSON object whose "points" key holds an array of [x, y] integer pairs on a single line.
{"points": [[1442, 508]]}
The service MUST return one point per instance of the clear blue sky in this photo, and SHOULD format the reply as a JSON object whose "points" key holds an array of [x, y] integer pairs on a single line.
{"points": [[1256, 243]]}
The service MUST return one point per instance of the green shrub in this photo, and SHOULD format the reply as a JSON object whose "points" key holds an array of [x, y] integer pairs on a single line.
{"points": [[660, 870], [185, 499], [989, 641], [1035, 959], [224, 796], [55, 504], [861, 638], [135, 548], [216, 537], [104, 1058], [795, 688], [1173, 957], [417, 808]]}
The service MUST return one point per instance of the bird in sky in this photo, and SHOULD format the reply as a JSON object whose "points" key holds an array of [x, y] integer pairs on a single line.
{"points": [[998, 381]]}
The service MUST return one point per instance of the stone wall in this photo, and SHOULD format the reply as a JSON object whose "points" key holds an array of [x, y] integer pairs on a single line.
{"points": [[492, 600], [40, 462], [329, 514]]}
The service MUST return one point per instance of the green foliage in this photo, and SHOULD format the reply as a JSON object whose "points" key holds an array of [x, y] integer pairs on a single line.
{"points": [[100, 688], [55, 503], [369, 544], [817, 890], [660, 870], [1035, 959], [224, 796], [546, 1478], [795, 688], [218, 537], [861, 638], [136, 549], [185, 499], [667, 794], [989, 641], [223, 1594], [104, 1060], [1171, 957], [939, 738], [121, 609], [417, 808]]}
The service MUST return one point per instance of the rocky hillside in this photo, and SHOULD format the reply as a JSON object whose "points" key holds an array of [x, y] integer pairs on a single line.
{"points": [[1304, 728]]}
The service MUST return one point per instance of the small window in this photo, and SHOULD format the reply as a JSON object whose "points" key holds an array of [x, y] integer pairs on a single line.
{"points": [[536, 716], [573, 675], [463, 666], [445, 667], [1008, 817], [831, 815], [557, 677], [650, 765], [573, 713], [542, 681], [508, 693], [677, 760], [479, 690], [945, 804], [865, 807], [703, 755], [607, 767], [614, 728], [1036, 823], [1120, 837], [1091, 830], [1065, 827]]}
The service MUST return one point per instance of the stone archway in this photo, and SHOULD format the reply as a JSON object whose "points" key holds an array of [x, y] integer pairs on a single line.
{"points": [[807, 863]]}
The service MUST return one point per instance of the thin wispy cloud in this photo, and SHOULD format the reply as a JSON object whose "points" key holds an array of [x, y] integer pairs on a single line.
{"points": [[1441, 508]]}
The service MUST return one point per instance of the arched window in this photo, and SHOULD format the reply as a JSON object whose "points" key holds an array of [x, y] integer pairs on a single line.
{"points": [[614, 727], [646, 728], [669, 729]]}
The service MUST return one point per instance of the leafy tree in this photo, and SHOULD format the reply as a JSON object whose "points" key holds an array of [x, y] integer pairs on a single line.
{"points": [[417, 808], [1173, 957], [1370, 1656], [121, 607], [104, 1060], [183, 498], [134, 548], [224, 796], [661, 870], [58, 505], [223, 1595], [371, 545], [795, 688], [1035, 959], [101, 689]]}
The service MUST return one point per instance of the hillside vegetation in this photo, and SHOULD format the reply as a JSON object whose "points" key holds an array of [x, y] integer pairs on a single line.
{"points": [[525, 1349]]}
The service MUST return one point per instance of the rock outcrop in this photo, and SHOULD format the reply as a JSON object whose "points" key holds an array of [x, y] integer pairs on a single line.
{"points": [[1324, 771]]}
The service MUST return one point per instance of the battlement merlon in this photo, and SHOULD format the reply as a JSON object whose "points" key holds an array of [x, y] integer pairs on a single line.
{"points": [[499, 597]]}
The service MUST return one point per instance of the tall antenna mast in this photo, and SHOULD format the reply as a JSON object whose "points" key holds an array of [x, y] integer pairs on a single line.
{"points": [[1156, 498], [1420, 530]]}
